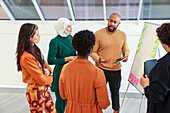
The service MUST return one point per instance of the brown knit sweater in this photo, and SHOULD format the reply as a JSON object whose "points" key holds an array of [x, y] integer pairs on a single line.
{"points": [[109, 44]]}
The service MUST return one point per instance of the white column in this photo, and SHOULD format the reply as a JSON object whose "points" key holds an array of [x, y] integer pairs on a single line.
{"points": [[38, 10], [139, 11], [71, 11], [104, 11]]}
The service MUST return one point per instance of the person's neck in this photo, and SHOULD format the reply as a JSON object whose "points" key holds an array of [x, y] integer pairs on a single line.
{"points": [[168, 50], [82, 57]]}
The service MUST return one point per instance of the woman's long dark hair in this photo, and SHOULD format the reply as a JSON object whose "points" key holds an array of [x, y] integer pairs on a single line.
{"points": [[24, 44]]}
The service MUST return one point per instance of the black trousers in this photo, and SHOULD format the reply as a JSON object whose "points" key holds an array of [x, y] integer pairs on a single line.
{"points": [[114, 80]]}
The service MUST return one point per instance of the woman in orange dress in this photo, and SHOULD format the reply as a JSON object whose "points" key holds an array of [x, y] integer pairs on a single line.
{"points": [[35, 71], [81, 83]]}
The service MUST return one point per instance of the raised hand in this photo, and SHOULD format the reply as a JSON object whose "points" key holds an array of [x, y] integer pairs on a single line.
{"points": [[144, 81], [70, 58], [101, 60], [47, 72]]}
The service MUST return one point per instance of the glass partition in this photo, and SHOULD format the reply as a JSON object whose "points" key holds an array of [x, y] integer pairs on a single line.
{"points": [[88, 9], [127, 9], [3, 15], [22, 9], [155, 10], [54, 9]]}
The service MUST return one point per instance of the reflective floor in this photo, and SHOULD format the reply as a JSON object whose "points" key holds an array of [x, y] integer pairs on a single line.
{"points": [[14, 101]]}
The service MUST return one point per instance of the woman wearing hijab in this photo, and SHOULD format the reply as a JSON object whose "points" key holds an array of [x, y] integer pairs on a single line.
{"points": [[60, 52]]}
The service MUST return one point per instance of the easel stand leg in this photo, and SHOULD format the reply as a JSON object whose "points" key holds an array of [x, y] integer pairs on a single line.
{"points": [[124, 95], [141, 103]]}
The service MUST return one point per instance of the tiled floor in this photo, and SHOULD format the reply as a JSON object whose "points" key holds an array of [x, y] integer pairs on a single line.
{"points": [[15, 102]]}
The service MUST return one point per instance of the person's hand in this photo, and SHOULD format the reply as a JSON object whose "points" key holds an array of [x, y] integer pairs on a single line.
{"points": [[47, 72], [124, 59], [70, 58], [144, 81], [101, 60]]}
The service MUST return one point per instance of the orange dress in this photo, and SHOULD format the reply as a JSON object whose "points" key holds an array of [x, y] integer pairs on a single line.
{"points": [[83, 85]]}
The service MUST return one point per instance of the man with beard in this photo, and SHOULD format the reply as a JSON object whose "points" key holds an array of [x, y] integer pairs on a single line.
{"points": [[110, 45]]}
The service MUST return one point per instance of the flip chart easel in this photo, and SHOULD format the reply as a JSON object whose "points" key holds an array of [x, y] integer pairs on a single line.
{"points": [[146, 50]]}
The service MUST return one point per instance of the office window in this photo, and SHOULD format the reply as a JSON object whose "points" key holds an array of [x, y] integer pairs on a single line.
{"points": [[22, 9], [3, 15], [155, 10], [54, 9], [88, 9], [127, 9]]}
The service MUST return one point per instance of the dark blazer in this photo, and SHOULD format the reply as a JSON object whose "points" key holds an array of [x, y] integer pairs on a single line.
{"points": [[158, 92]]}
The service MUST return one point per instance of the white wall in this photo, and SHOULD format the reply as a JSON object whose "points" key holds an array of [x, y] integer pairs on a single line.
{"points": [[9, 77]]}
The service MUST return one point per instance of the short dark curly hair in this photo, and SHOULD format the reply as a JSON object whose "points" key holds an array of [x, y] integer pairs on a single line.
{"points": [[83, 41], [163, 33]]}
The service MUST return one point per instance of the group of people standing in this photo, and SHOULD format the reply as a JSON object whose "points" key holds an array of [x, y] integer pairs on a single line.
{"points": [[79, 85]]}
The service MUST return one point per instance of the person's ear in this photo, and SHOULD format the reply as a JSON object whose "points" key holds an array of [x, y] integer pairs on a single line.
{"points": [[119, 23], [91, 50]]}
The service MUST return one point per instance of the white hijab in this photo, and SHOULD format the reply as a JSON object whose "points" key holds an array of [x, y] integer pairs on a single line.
{"points": [[61, 25]]}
